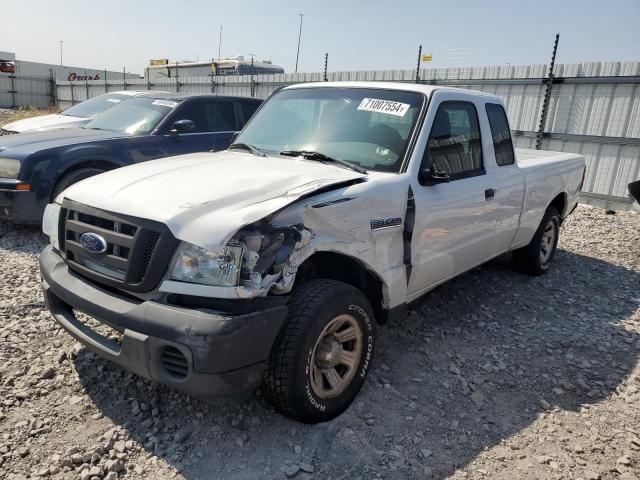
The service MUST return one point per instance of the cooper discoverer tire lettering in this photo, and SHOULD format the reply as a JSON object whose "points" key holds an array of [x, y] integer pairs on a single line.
{"points": [[323, 352]]}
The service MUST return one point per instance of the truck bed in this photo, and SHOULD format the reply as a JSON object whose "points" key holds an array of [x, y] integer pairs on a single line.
{"points": [[546, 172]]}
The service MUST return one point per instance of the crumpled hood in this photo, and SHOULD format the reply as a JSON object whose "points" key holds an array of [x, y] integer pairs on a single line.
{"points": [[204, 198], [45, 122]]}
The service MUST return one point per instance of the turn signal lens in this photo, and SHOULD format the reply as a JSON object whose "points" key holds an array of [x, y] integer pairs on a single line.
{"points": [[23, 187]]}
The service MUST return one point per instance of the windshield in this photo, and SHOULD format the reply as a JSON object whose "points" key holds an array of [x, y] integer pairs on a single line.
{"points": [[364, 126], [137, 116], [90, 108]]}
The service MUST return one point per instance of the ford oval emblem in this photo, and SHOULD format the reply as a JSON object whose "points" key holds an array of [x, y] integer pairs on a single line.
{"points": [[93, 243]]}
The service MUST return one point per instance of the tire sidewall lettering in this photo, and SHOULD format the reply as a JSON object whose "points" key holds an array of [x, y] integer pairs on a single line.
{"points": [[359, 313]]}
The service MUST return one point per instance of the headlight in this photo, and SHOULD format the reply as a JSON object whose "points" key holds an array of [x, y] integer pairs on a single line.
{"points": [[198, 265], [9, 167], [50, 222]]}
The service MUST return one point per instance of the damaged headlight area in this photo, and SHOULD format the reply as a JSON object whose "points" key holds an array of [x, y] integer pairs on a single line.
{"points": [[198, 265], [270, 255]]}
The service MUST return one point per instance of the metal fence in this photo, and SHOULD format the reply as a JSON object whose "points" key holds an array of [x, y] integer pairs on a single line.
{"points": [[25, 90], [594, 108]]}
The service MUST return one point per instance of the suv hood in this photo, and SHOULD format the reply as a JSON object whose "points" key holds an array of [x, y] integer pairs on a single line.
{"points": [[205, 198], [45, 122], [25, 144]]}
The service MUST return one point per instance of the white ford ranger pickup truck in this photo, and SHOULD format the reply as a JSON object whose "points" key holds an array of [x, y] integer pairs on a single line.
{"points": [[273, 262]]}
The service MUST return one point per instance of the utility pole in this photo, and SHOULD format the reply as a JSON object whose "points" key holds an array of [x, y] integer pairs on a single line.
{"points": [[253, 91], [220, 43], [418, 67], [547, 96], [176, 76], [60, 52], [299, 36], [326, 63]]}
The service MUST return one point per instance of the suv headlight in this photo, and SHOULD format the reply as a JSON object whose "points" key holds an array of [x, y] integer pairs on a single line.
{"points": [[9, 167], [198, 265]]}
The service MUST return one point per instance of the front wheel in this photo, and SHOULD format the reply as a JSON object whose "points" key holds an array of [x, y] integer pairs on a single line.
{"points": [[323, 352], [535, 258]]}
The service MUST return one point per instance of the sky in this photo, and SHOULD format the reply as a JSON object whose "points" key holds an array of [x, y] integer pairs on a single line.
{"points": [[357, 34]]}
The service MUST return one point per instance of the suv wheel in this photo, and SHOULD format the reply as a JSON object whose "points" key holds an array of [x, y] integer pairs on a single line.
{"points": [[323, 352]]}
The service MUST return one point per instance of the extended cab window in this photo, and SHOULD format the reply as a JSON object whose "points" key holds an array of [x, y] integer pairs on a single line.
{"points": [[454, 145], [502, 144]]}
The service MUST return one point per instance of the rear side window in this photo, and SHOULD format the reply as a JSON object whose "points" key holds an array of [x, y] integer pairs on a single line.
{"points": [[454, 145], [248, 109], [221, 117], [502, 143]]}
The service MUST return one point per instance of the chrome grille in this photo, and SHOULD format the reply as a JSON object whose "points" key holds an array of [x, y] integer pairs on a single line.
{"points": [[137, 250]]}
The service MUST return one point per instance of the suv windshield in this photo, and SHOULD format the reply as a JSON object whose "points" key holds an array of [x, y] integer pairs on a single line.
{"points": [[93, 106], [364, 126], [136, 116]]}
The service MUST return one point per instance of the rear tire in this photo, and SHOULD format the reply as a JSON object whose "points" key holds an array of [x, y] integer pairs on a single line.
{"points": [[535, 258], [72, 177], [323, 352]]}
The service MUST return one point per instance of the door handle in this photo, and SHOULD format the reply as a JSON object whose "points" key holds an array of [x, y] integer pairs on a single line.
{"points": [[489, 193]]}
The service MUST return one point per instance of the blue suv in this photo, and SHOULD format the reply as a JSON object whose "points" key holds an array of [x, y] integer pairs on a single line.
{"points": [[36, 167]]}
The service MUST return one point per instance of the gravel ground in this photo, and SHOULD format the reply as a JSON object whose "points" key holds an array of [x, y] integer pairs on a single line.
{"points": [[8, 115], [494, 375]]}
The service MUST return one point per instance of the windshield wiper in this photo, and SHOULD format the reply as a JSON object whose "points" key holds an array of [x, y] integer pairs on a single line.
{"points": [[246, 146], [321, 157]]}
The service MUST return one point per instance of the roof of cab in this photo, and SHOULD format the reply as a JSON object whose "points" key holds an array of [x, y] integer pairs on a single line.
{"points": [[408, 87]]}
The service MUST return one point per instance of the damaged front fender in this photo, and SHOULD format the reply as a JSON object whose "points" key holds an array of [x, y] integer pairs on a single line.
{"points": [[343, 221]]}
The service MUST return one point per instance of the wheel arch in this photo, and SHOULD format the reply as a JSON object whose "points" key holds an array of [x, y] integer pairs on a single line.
{"points": [[100, 163], [559, 202], [350, 270]]}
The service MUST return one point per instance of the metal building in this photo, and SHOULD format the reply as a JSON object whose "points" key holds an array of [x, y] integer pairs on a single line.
{"points": [[161, 69]]}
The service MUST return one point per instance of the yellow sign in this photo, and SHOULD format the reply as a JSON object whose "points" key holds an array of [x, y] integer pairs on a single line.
{"points": [[427, 58], [160, 61]]}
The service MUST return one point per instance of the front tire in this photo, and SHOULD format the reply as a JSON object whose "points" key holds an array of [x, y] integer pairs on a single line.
{"points": [[323, 352], [535, 258]]}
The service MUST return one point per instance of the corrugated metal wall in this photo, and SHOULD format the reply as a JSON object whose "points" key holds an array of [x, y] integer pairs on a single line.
{"points": [[594, 107], [17, 90]]}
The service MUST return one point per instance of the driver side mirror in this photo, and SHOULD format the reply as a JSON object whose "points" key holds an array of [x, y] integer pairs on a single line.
{"points": [[183, 126], [431, 176]]}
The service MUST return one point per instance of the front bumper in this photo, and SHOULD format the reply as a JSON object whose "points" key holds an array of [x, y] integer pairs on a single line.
{"points": [[19, 206], [221, 354]]}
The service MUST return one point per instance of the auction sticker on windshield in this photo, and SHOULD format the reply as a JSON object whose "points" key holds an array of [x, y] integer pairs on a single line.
{"points": [[165, 103], [384, 106]]}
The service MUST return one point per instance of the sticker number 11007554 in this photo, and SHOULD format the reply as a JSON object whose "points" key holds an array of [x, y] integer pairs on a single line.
{"points": [[384, 106]]}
